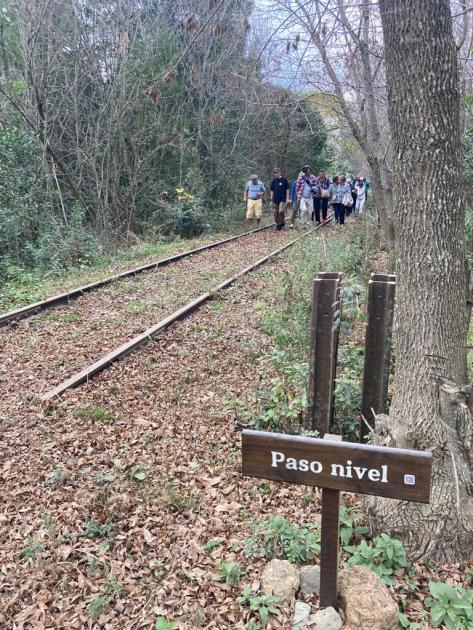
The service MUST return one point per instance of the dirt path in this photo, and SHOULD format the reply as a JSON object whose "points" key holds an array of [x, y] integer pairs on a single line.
{"points": [[44, 350], [120, 506]]}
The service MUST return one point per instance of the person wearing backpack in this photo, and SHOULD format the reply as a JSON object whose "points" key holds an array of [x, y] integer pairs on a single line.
{"points": [[321, 196]]}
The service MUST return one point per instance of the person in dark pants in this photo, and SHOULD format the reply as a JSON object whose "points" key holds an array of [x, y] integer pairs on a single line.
{"points": [[321, 197], [279, 198], [339, 207], [295, 205], [332, 193], [354, 192]]}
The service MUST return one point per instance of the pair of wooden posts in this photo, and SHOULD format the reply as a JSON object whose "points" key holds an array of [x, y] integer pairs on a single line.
{"points": [[329, 463], [325, 324]]}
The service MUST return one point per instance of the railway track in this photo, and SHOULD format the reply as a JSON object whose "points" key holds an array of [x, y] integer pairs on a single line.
{"points": [[47, 353], [72, 294]]}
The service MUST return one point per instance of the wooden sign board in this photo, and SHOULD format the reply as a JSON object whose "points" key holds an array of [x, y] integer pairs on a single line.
{"points": [[386, 472]]}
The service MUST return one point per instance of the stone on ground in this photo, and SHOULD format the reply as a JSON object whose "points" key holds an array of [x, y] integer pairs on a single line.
{"points": [[301, 616], [327, 619], [366, 601], [280, 578], [310, 579]]}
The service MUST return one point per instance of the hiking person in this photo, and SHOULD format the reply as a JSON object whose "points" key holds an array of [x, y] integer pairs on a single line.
{"points": [[279, 198], [360, 196], [332, 194], [304, 191], [322, 184], [344, 199], [353, 190], [295, 204], [253, 197], [348, 208]]}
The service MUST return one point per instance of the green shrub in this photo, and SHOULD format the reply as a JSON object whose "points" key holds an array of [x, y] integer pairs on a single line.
{"points": [[261, 605], [348, 391], [385, 556], [276, 537], [181, 214], [350, 527], [230, 572], [450, 605]]}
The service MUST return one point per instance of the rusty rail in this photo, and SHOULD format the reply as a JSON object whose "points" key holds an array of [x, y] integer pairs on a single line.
{"points": [[87, 373], [73, 294]]}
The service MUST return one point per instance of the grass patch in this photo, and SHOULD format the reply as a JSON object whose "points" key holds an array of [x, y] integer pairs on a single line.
{"points": [[95, 414]]}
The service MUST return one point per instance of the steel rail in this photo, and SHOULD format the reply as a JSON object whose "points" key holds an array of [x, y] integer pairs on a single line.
{"points": [[67, 296], [87, 373]]}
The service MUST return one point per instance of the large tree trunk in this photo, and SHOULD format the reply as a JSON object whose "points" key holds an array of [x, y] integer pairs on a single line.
{"points": [[429, 410]]}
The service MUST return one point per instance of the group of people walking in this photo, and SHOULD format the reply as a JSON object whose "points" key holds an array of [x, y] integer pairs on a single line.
{"points": [[309, 195]]}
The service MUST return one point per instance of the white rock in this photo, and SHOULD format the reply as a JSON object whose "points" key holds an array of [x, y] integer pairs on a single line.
{"points": [[327, 619], [310, 579], [301, 615], [280, 578]]}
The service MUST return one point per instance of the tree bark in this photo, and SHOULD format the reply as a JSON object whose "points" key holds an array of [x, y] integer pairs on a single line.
{"points": [[430, 408]]}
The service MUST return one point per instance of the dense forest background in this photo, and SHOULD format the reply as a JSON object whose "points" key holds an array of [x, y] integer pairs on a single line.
{"points": [[129, 119]]}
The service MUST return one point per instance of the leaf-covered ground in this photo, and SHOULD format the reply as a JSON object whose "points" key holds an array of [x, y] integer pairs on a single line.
{"points": [[32, 287], [110, 496], [117, 505], [42, 351]]}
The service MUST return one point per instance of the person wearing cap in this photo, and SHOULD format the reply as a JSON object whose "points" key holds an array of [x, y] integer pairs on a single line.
{"points": [[306, 186], [253, 196], [279, 198]]}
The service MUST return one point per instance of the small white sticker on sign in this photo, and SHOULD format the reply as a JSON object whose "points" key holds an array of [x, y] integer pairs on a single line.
{"points": [[410, 480]]}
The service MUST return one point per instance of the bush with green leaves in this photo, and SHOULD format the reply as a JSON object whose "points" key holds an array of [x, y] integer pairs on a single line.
{"points": [[261, 605], [450, 605], [276, 537], [348, 391], [350, 525], [181, 213], [281, 405], [383, 557], [230, 572]]}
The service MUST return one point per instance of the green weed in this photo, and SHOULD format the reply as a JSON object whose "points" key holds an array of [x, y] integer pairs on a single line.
{"points": [[350, 528], [97, 607], [31, 550], [262, 605], [385, 556], [94, 529], [450, 605], [95, 414], [180, 499], [276, 537], [212, 544], [230, 572]]}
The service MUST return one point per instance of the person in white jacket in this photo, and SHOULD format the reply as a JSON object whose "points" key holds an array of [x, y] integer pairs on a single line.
{"points": [[360, 196]]}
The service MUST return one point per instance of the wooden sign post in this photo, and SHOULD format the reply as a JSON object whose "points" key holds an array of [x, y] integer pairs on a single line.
{"points": [[336, 466]]}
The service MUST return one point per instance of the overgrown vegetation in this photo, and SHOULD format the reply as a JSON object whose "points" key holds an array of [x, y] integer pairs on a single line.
{"points": [[280, 405], [157, 137], [276, 537]]}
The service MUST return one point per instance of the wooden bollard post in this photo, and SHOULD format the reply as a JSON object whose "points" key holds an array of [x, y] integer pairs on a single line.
{"points": [[323, 351], [381, 290]]}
